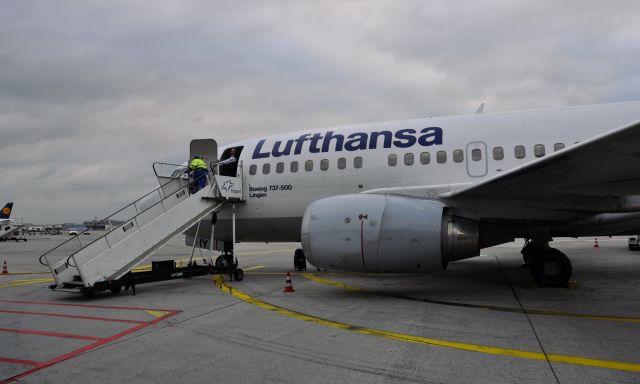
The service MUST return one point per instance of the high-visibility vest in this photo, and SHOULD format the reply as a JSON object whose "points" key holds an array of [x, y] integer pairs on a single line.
{"points": [[198, 163]]}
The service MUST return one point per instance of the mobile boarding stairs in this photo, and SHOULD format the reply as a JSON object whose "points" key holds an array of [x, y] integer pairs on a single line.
{"points": [[137, 230]]}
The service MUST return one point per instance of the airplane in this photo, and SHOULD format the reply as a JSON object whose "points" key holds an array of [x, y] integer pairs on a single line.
{"points": [[5, 214], [8, 225], [412, 196]]}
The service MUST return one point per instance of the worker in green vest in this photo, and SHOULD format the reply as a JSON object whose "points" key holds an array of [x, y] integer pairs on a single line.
{"points": [[198, 169]]}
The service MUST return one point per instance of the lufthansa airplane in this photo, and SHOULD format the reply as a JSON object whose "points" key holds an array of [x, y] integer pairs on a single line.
{"points": [[412, 196], [7, 225], [5, 214]]}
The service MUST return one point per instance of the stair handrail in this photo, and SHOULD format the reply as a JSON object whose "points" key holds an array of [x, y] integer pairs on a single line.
{"points": [[108, 218], [183, 166]]}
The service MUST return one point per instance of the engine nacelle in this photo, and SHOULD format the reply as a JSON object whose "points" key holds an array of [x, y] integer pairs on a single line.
{"points": [[376, 233]]}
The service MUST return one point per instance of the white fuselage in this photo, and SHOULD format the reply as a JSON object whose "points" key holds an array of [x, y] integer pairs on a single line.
{"points": [[444, 153]]}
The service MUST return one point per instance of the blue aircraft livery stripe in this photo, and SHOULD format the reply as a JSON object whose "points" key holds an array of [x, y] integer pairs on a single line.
{"points": [[358, 141]]}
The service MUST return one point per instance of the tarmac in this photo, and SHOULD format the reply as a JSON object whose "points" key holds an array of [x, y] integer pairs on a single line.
{"points": [[481, 321]]}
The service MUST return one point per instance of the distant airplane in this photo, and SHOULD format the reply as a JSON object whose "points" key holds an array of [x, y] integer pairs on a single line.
{"points": [[412, 196], [5, 214], [7, 225]]}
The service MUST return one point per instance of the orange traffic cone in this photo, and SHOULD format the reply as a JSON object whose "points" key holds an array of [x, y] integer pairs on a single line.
{"points": [[288, 287], [5, 271], [596, 244]]}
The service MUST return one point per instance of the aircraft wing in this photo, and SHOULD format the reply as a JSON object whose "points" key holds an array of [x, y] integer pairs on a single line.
{"points": [[601, 174]]}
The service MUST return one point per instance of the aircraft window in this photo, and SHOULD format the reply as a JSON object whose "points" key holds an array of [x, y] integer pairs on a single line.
{"points": [[324, 164], [308, 165], [538, 150], [498, 153], [280, 167], [393, 160], [425, 158], [342, 163], [476, 154], [558, 146], [294, 167], [253, 169], [266, 168], [519, 151], [357, 162], [441, 157], [408, 159], [458, 157]]}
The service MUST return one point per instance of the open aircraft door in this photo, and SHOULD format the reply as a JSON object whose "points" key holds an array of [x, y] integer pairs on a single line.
{"points": [[207, 148]]}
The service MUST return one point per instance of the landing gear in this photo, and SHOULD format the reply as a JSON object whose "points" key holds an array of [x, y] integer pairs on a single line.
{"points": [[224, 261], [527, 252], [228, 264], [299, 261], [238, 274], [549, 267]]}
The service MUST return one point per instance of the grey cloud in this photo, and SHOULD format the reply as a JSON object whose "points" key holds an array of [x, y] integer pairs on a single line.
{"points": [[92, 93]]}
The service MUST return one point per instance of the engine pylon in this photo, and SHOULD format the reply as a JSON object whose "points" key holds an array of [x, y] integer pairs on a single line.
{"points": [[288, 287]]}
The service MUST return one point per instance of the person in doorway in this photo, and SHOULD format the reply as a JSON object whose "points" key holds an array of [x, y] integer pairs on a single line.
{"points": [[229, 165], [198, 169]]}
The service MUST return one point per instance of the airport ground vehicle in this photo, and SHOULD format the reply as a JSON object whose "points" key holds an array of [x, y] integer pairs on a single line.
{"points": [[634, 243]]}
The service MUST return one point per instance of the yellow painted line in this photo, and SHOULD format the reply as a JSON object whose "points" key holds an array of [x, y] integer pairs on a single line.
{"points": [[331, 282], [33, 280], [576, 360], [25, 273], [622, 319], [157, 313], [253, 268], [29, 282]]}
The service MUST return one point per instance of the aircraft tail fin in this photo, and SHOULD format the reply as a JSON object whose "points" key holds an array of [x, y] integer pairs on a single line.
{"points": [[6, 211]]}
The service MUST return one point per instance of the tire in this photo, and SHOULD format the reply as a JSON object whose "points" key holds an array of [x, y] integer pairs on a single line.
{"points": [[551, 268], [224, 261], [116, 289], [88, 292], [299, 261], [238, 274], [527, 252]]}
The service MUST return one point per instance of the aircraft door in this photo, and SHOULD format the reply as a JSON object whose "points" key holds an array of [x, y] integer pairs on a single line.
{"points": [[477, 159], [207, 148]]}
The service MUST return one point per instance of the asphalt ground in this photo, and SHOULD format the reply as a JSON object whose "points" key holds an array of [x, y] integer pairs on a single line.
{"points": [[481, 321]]}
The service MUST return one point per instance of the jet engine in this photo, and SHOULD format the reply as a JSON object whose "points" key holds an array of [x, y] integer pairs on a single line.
{"points": [[376, 233]]}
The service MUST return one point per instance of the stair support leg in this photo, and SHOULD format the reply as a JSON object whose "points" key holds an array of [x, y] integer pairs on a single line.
{"points": [[195, 239], [233, 230]]}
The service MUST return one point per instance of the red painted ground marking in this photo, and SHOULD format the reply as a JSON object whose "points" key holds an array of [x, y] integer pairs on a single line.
{"points": [[40, 365], [51, 334], [73, 316], [80, 305], [17, 361]]}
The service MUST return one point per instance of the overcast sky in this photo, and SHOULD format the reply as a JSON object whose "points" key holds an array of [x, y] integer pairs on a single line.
{"points": [[92, 93]]}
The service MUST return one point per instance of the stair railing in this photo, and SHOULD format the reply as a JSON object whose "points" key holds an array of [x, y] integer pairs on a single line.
{"points": [[132, 210]]}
